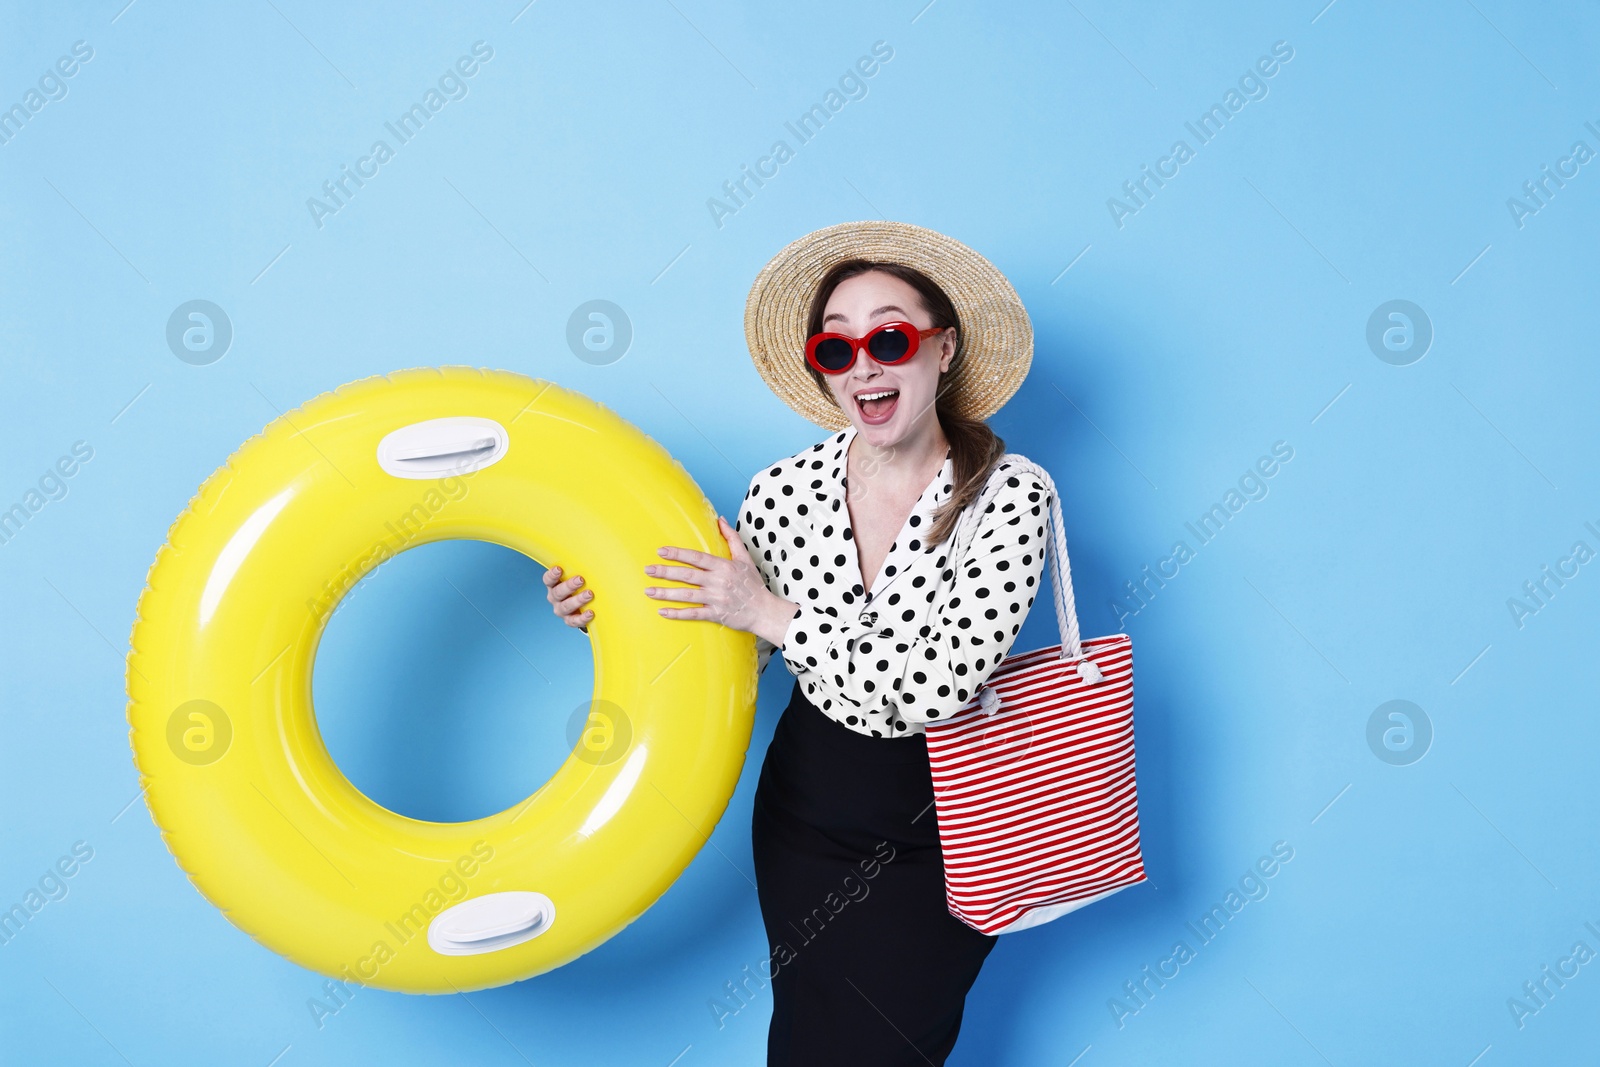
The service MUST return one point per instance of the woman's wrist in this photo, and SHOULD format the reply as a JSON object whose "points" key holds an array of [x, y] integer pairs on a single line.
{"points": [[776, 614]]}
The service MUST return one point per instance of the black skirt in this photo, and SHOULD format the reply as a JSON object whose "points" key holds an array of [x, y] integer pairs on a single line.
{"points": [[868, 966]]}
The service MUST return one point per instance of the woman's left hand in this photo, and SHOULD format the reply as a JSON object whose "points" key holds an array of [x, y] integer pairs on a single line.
{"points": [[731, 590]]}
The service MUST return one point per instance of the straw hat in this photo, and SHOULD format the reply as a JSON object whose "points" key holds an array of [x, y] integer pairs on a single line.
{"points": [[995, 339]]}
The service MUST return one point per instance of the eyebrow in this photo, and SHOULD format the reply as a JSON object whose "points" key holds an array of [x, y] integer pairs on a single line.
{"points": [[874, 313]]}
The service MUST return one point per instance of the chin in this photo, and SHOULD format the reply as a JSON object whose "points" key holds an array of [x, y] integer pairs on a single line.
{"points": [[886, 435], [877, 436]]}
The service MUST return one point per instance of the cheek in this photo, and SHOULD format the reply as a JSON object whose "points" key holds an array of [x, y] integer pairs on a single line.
{"points": [[926, 379]]}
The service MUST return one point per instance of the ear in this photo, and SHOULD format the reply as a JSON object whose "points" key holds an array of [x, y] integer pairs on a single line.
{"points": [[947, 348]]}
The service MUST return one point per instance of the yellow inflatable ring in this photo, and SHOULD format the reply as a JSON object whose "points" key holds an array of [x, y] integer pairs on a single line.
{"points": [[219, 683]]}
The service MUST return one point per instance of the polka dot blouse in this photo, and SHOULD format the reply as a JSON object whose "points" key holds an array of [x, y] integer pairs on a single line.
{"points": [[914, 649]]}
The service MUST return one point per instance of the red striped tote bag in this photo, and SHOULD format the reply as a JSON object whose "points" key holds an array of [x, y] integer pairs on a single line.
{"points": [[1033, 781]]}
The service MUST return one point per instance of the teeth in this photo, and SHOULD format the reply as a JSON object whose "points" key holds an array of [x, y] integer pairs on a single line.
{"points": [[875, 396]]}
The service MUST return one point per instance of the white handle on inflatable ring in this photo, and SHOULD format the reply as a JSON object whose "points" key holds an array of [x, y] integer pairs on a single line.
{"points": [[490, 923], [433, 448], [439, 452]]}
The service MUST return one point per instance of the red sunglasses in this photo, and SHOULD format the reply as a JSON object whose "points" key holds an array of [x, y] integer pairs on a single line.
{"points": [[891, 342]]}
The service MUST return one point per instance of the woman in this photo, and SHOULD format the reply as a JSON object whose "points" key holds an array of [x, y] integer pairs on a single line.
{"points": [[903, 341]]}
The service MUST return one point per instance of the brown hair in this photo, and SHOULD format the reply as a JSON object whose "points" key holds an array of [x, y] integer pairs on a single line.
{"points": [[974, 447]]}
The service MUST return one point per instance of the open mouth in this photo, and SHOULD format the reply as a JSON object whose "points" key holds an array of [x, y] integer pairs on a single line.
{"points": [[877, 405]]}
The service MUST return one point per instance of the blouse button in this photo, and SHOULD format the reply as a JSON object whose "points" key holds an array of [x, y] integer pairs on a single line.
{"points": [[869, 618]]}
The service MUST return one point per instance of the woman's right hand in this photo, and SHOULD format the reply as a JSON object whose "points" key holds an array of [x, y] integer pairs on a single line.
{"points": [[567, 600]]}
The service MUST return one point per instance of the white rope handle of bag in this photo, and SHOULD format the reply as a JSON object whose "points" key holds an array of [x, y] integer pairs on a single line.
{"points": [[1060, 577], [1061, 587]]}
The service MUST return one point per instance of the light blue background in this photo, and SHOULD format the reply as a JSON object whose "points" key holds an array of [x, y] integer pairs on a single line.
{"points": [[1229, 313]]}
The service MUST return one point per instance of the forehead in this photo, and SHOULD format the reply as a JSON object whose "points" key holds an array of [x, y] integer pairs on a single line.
{"points": [[865, 294]]}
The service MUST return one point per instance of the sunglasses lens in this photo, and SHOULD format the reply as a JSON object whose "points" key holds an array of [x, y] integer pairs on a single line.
{"points": [[889, 346], [833, 353]]}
